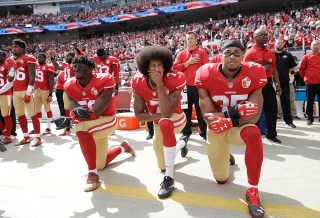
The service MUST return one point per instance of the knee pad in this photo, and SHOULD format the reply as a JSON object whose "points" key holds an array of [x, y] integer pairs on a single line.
{"points": [[167, 127]]}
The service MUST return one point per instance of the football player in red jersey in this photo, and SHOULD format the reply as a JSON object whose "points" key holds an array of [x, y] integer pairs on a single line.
{"points": [[6, 82], [231, 101], [43, 89], [108, 64], [24, 69], [159, 89], [67, 73], [91, 109]]}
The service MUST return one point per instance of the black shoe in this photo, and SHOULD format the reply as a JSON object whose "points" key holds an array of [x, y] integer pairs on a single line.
{"points": [[167, 187], [253, 201], [309, 122], [291, 125], [204, 136], [274, 140], [232, 161], [184, 150], [150, 136], [298, 118]]}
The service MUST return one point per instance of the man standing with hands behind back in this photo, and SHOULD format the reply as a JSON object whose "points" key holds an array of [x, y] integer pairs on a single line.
{"points": [[258, 53], [189, 61]]}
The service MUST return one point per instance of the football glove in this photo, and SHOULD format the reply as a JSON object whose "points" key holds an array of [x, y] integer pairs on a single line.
{"points": [[220, 124], [62, 122], [245, 109], [26, 98], [81, 114]]}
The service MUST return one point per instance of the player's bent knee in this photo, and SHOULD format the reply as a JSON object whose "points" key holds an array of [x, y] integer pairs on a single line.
{"points": [[250, 133]]}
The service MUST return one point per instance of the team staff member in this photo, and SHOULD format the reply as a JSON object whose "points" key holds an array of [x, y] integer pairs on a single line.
{"points": [[189, 61], [231, 101], [159, 89], [23, 87], [43, 89], [310, 71], [67, 73], [258, 53], [91, 109], [285, 64], [6, 82]]}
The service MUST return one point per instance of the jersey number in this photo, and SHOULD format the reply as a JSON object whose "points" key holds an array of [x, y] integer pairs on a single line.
{"points": [[226, 102], [39, 76], [87, 103]]}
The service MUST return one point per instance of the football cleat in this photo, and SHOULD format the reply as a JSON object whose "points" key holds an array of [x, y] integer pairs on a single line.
{"points": [[65, 133], [92, 182], [128, 148], [25, 140], [253, 201], [36, 142], [47, 131], [167, 187]]}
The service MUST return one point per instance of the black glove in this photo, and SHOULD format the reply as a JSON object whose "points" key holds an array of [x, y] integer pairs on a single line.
{"points": [[81, 112], [62, 122]]}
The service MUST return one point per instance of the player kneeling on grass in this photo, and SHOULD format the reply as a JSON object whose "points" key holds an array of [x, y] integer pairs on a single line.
{"points": [[231, 101], [91, 109]]}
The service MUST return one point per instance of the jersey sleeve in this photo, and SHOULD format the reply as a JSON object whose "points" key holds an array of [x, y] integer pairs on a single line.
{"points": [[202, 75], [50, 68], [180, 81], [31, 59], [259, 73]]}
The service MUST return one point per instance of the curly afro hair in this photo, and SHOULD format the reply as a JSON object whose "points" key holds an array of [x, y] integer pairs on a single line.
{"points": [[154, 52]]}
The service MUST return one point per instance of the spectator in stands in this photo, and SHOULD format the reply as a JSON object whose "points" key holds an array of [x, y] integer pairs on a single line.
{"points": [[309, 70], [264, 56], [284, 65], [189, 61]]}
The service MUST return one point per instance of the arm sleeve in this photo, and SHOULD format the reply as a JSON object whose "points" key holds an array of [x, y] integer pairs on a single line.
{"points": [[178, 65], [302, 68]]}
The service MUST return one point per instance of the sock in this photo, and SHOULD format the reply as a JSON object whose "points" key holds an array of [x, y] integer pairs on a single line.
{"points": [[49, 123], [66, 111], [180, 145], [169, 156], [94, 171], [8, 125], [36, 124], [254, 153], [113, 153], [88, 148], [23, 123]]}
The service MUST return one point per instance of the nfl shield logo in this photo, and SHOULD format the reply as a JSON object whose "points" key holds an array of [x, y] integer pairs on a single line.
{"points": [[230, 85], [246, 82], [94, 91]]}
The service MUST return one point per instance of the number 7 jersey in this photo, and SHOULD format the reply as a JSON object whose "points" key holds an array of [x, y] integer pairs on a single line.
{"points": [[226, 93]]}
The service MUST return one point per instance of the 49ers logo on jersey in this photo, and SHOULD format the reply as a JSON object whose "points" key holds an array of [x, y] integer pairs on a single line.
{"points": [[246, 82], [94, 91]]}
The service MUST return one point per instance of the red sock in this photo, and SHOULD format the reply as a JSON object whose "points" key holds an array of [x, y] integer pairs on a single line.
{"points": [[24, 123], [66, 112], [36, 124], [88, 148], [254, 153], [49, 114], [166, 127], [8, 124], [39, 115], [112, 154]]}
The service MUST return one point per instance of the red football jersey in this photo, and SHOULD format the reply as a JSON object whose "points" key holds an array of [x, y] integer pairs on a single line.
{"points": [[227, 93], [3, 77], [21, 79], [172, 81], [110, 65], [42, 79], [68, 70], [86, 96]]}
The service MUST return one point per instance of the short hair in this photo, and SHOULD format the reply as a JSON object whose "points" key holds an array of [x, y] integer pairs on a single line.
{"points": [[101, 51], [154, 52], [43, 55], [84, 60], [191, 32], [20, 43], [71, 54]]}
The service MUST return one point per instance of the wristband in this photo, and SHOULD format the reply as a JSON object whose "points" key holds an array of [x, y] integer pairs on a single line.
{"points": [[11, 72], [235, 122], [226, 114]]}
